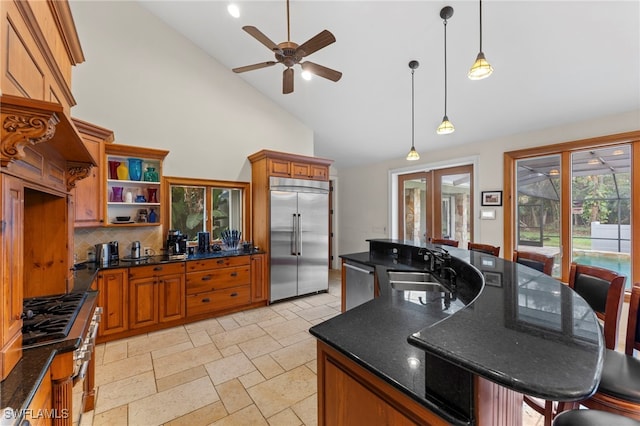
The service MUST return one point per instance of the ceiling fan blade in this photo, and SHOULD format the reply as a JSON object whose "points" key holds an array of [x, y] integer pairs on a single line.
{"points": [[287, 81], [258, 35], [321, 71], [254, 66], [322, 39]]}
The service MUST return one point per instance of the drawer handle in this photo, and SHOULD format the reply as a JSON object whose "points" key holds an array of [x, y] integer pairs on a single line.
{"points": [[206, 300], [234, 274], [207, 278], [158, 268], [220, 262], [234, 294]]}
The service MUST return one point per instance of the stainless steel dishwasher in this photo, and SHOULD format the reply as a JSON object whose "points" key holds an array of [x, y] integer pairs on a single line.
{"points": [[359, 283]]}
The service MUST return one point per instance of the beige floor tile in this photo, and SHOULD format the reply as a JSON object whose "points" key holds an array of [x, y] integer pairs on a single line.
{"points": [[275, 320], [211, 324], [229, 368], [280, 331], [251, 379], [202, 416], [297, 354], [307, 410], [249, 416], [313, 366], [108, 418], [185, 360], [170, 404], [170, 350], [124, 391], [230, 350], [233, 395], [294, 338], [158, 340], [268, 366], [302, 304], [98, 354], [228, 323], [280, 306], [200, 338], [262, 345], [181, 378], [285, 417], [254, 316], [287, 314], [281, 392], [237, 335], [121, 369], [321, 299], [86, 419], [114, 351]]}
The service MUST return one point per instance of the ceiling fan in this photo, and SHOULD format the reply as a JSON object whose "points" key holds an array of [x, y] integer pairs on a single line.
{"points": [[289, 54]]}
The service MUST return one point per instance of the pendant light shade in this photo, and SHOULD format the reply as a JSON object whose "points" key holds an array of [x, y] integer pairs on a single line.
{"points": [[480, 68], [446, 126], [413, 154]]}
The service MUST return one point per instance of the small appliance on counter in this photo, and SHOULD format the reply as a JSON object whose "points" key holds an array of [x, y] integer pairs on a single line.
{"points": [[176, 243], [135, 250], [203, 242], [107, 253], [114, 253]]}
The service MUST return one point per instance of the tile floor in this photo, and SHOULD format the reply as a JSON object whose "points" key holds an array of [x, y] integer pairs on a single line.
{"points": [[249, 368]]}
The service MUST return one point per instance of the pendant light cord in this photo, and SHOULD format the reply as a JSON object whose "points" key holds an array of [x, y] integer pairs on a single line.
{"points": [[445, 67], [481, 25], [412, 110]]}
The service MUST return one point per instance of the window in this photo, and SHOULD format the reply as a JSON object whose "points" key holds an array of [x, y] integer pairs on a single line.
{"points": [[208, 206]]}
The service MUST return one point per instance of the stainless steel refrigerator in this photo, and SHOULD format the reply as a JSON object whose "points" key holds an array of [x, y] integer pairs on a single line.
{"points": [[299, 237]]}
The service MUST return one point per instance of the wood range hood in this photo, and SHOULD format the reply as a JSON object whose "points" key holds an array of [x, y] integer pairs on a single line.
{"points": [[30, 123]]}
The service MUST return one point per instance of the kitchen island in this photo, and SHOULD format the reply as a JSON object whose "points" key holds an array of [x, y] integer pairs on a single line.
{"points": [[516, 331]]}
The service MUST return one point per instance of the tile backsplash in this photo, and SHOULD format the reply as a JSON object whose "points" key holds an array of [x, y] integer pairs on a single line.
{"points": [[86, 238]]}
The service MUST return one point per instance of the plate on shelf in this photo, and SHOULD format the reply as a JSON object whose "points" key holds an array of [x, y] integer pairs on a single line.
{"points": [[120, 222], [131, 259]]}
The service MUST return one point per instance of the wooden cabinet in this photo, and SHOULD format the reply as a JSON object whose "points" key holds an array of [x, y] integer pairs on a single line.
{"points": [[156, 294], [218, 284], [11, 272], [128, 194], [42, 402], [89, 192], [259, 290], [294, 166], [114, 299]]}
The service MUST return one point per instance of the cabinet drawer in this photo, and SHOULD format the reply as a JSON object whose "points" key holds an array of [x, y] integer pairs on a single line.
{"points": [[221, 262], [218, 300], [155, 270], [215, 279]]}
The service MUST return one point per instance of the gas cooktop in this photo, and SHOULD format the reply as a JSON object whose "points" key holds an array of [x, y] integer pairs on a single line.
{"points": [[49, 318]]}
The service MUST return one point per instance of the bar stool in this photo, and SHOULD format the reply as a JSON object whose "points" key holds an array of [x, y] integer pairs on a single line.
{"points": [[592, 418], [484, 248], [444, 241], [538, 261]]}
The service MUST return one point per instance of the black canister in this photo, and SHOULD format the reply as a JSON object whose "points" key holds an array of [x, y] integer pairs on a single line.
{"points": [[203, 242], [135, 250]]}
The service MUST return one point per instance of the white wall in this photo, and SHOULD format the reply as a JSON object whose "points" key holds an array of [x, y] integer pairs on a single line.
{"points": [[154, 88], [363, 203]]}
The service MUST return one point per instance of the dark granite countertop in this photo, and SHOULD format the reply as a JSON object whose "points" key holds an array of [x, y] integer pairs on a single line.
{"points": [[520, 328]]}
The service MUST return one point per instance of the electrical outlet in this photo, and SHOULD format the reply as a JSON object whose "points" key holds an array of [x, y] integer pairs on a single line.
{"points": [[147, 251]]}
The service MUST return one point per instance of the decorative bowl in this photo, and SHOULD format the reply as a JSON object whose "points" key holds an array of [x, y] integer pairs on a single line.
{"points": [[123, 218]]}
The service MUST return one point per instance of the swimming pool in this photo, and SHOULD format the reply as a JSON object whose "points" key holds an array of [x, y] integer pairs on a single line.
{"points": [[619, 262]]}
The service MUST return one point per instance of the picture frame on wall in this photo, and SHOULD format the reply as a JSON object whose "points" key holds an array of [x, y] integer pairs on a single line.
{"points": [[491, 198]]}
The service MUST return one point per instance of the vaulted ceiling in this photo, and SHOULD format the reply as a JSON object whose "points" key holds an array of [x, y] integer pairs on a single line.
{"points": [[556, 62]]}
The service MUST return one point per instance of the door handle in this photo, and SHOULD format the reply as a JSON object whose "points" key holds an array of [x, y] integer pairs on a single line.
{"points": [[355, 268], [294, 236], [299, 234]]}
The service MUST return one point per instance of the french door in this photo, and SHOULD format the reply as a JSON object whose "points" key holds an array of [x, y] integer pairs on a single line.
{"points": [[436, 204]]}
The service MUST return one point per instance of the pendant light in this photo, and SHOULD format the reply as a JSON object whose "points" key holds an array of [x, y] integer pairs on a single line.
{"points": [[480, 68], [446, 126], [413, 154]]}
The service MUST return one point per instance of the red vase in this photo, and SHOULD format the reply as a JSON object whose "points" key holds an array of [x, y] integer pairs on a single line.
{"points": [[152, 195], [113, 169]]}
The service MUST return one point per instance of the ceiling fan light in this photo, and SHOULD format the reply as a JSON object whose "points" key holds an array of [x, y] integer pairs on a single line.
{"points": [[554, 172], [445, 127], [480, 68], [233, 10], [413, 155], [306, 75]]}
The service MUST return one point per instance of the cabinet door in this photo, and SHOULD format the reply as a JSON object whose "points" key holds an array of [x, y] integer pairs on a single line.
{"points": [[89, 192], [143, 295], [300, 170], [114, 298], [258, 281], [319, 172], [279, 168], [11, 265], [171, 294]]}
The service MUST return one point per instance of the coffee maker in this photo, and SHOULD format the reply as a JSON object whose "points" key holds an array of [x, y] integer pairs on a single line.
{"points": [[176, 243]]}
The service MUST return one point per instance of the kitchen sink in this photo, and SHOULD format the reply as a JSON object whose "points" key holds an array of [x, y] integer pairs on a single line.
{"points": [[414, 281]]}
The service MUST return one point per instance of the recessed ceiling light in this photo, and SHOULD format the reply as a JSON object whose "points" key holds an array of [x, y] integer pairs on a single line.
{"points": [[618, 152], [233, 10], [306, 75], [593, 161], [554, 172]]}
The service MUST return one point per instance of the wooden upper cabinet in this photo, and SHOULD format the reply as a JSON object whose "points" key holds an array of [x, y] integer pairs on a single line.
{"points": [[89, 192], [282, 164], [40, 47]]}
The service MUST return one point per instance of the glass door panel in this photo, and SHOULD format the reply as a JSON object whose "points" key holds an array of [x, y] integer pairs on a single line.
{"points": [[453, 193], [537, 216], [601, 208], [414, 214]]}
